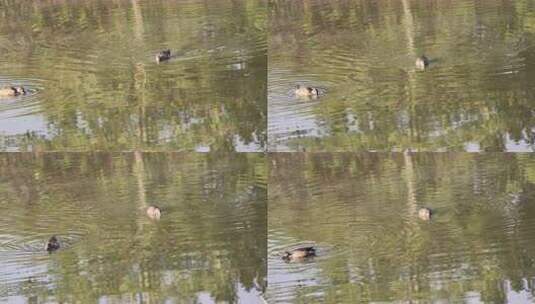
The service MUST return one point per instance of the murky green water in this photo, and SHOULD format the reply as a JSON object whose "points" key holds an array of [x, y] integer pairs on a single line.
{"points": [[209, 245], [96, 86], [477, 94], [360, 212]]}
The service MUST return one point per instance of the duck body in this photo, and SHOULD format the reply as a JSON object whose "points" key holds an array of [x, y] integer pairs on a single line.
{"points": [[154, 212], [12, 91], [52, 244], [303, 91], [422, 62], [163, 55], [299, 254], [425, 214]]}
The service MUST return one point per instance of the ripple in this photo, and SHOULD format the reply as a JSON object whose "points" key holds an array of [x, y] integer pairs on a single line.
{"points": [[95, 203], [366, 61], [90, 92], [360, 211]]}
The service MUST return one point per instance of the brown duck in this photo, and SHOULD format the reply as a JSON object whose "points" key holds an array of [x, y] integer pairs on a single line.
{"points": [[425, 214], [163, 55], [52, 244], [303, 91], [422, 62], [154, 212], [299, 254], [12, 91]]}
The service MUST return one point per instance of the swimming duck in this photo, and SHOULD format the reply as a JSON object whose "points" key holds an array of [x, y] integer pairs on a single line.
{"points": [[299, 254], [303, 91], [425, 214], [422, 62], [12, 91], [163, 55], [154, 212], [52, 244]]}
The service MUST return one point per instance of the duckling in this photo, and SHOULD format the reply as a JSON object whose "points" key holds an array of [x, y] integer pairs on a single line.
{"points": [[425, 214], [154, 212], [52, 244], [303, 91], [12, 91], [422, 62], [299, 254], [163, 55]]}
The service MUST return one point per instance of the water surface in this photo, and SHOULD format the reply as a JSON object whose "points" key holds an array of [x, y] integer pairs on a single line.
{"points": [[360, 211], [209, 245], [477, 94], [95, 85]]}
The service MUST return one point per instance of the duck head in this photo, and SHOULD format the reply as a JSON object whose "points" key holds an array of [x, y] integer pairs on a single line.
{"points": [[422, 62], [425, 214], [163, 55], [52, 244], [154, 212], [286, 256], [19, 90]]}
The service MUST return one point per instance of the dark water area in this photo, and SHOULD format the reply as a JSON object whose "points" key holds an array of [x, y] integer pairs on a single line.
{"points": [[209, 245], [95, 85], [360, 211], [476, 95]]}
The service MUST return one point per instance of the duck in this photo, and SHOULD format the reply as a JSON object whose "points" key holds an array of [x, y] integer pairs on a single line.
{"points": [[52, 244], [422, 62], [12, 91], [163, 55], [303, 91], [154, 212], [299, 254], [425, 214]]}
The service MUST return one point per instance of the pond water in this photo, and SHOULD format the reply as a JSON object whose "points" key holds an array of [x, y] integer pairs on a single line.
{"points": [[476, 95], [360, 211], [95, 85], [209, 245]]}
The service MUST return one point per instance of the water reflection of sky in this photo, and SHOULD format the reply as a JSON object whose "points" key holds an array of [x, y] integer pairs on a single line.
{"points": [[245, 297], [13, 122]]}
